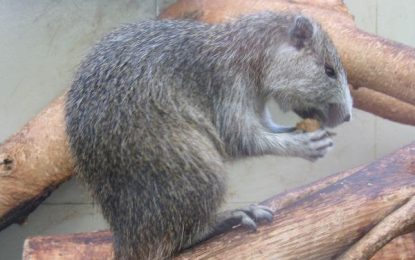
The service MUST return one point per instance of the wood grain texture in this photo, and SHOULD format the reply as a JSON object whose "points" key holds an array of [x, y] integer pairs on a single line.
{"points": [[33, 163], [333, 215], [92, 245], [383, 105], [97, 246], [401, 248], [398, 222]]}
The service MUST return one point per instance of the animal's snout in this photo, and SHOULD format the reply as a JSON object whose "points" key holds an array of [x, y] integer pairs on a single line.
{"points": [[337, 113], [347, 118]]}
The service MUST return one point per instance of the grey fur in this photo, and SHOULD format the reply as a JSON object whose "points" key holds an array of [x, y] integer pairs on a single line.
{"points": [[157, 108]]}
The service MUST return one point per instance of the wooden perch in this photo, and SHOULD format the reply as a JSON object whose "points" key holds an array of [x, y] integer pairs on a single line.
{"points": [[401, 248], [36, 159], [383, 105], [318, 221], [397, 223], [33, 163]]}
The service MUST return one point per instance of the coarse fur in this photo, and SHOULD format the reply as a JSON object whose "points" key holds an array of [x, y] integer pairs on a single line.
{"points": [[157, 107]]}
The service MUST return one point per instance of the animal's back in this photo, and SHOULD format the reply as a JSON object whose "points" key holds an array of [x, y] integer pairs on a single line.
{"points": [[129, 87]]}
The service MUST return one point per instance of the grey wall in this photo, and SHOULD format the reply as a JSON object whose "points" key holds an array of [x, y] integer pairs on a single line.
{"points": [[41, 43]]}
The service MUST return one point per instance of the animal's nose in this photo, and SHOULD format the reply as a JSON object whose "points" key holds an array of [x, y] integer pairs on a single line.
{"points": [[347, 118]]}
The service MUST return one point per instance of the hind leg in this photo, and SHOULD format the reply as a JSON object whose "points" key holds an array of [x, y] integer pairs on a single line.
{"points": [[247, 217]]}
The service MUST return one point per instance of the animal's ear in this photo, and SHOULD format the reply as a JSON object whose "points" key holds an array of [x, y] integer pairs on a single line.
{"points": [[301, 32]]}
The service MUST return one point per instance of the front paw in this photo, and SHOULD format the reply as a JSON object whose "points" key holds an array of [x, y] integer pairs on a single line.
{"points": [[312, 145]]}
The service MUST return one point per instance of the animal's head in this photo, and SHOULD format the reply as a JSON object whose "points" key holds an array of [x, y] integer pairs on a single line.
{"points": [[305, 75]]}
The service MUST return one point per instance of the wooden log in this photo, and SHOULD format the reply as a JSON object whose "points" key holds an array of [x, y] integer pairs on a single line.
{"points": [[371, 61], [92, 245], [97, 246], [383, 105], [392, 226], [321, 225], [401, 248], [35, 160]]}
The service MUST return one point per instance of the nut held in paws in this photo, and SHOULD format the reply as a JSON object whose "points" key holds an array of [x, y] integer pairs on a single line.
{"points": [[308, 125]]}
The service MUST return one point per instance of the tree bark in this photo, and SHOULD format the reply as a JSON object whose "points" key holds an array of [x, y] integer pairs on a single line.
{"points": [[383, 105], [33, 163], [318, 221], [401, 248]]}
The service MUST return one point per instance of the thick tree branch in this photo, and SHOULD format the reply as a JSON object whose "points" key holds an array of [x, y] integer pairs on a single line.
{"points": [[33, 163], [332, 215], [398, 222], [383, 105]]}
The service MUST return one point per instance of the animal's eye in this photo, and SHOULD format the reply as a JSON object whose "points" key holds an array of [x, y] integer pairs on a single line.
{"points": [[329, 71]]}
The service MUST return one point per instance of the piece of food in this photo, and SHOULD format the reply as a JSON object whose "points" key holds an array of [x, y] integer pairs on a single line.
{"points": [[308, 125]]}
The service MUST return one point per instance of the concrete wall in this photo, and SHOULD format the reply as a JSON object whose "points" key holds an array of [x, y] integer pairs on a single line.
{"points": [[41, 43]]}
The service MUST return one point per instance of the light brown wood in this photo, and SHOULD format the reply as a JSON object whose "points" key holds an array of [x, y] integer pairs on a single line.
{"points": [[33, 163], [91, 246], [332, 216], [389, 228], [401, 248], [383, 105]]}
